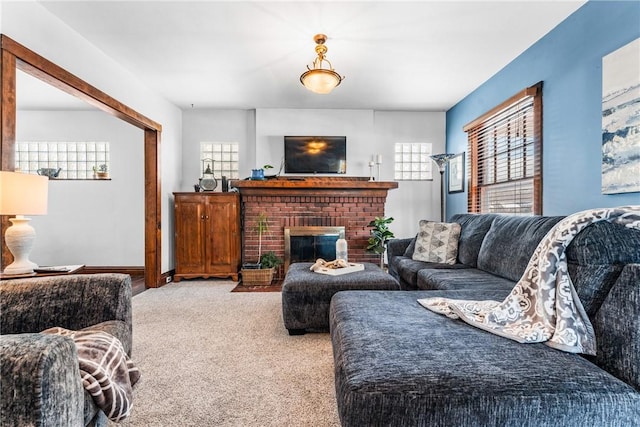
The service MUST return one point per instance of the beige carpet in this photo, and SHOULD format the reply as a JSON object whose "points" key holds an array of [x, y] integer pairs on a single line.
{"points": [[210, 357]]}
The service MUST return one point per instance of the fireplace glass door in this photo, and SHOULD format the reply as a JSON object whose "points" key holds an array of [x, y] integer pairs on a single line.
{"points": [[306, 244]]}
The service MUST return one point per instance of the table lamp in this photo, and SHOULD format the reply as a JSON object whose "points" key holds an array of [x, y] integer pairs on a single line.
{"points": [[21, 194]]}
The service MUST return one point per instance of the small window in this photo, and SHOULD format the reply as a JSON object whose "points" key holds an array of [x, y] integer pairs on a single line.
{"points": [[505, 147], [224, 156], [412, 161], [76, 160]]}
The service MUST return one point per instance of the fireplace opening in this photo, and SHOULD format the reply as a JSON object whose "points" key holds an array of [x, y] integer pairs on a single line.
{"points": [[302, 244]]}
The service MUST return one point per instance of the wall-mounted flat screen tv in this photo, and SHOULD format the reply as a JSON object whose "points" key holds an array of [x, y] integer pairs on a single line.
{"points": [[315, 154]]}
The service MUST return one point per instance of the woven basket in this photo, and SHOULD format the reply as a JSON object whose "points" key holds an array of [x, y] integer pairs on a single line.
{"points": [[255, 277]]}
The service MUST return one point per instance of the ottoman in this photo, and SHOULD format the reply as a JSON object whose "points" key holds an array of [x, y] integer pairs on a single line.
{"points": [[306, 295]]}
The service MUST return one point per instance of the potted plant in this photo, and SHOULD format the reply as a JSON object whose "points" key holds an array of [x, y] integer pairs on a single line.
{"points": [[380, 234], [261, 272], [270, 260], [101, 171]]}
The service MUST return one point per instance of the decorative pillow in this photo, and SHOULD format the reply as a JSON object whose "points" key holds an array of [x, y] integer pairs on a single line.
{"points": [[437, 242]]}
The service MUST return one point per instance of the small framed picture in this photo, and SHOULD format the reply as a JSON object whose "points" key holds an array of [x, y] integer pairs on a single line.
{"points": [[456, 174]]}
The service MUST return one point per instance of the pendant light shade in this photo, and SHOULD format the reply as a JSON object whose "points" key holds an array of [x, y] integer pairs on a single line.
{"points": [[317, 79]]}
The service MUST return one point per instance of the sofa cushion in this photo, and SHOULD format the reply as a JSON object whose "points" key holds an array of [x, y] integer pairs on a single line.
{"points": [[397, 363], [411, 248], [437, 242], [469, 278], [409, 268], [617, 328], [605, 243], [510, 242], [473, 229], [595, 258]]}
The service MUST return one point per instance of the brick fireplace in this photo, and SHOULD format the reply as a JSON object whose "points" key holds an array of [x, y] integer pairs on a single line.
{"points": [[348, 202]]}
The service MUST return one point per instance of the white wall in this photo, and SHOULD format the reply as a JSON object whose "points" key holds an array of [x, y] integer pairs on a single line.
{"points": [[412, 200], [30, 24], [209, 125], [260, 131], [91, 222], [368, 132]]}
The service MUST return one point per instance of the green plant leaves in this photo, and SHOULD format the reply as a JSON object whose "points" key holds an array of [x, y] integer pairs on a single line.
{"points": [[380, 234]]}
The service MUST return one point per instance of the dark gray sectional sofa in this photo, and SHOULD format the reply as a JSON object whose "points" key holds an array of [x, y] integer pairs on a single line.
{"points": [[398, 364], [493, 252], [41, 382]]}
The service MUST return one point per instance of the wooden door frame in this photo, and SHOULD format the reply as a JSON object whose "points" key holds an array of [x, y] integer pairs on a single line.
{"points": [[17, 57]]}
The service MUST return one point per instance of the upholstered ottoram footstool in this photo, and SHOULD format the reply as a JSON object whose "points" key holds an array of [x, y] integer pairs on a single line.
{"points": [[306, 295]]}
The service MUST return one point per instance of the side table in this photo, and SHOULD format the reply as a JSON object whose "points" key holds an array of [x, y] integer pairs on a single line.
{"points": [[55, 270]]}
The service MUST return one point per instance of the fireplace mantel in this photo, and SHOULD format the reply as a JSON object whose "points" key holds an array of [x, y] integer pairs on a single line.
{"points": [[320, 186]]}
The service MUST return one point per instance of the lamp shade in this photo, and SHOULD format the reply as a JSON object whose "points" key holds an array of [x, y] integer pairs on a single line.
{"points": [[442, 159], [320, 81], [23, 193]]}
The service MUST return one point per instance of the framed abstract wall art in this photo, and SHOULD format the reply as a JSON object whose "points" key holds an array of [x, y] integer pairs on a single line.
{"points": [[456, 174], [621, 120]]}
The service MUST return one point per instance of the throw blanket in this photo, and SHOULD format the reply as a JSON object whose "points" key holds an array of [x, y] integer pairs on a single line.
{"points": [[543, 306], [106, 370]]}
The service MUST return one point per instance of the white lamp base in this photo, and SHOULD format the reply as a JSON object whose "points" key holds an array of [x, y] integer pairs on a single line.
{"points": [[19, 239]]}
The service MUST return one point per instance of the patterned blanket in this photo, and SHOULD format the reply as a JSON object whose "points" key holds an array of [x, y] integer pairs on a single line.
{"points": [[106, 370], [543, 306]]}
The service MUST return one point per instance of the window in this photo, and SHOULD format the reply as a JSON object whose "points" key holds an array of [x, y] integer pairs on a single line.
{"points": [[75, 160], [505, 146], [412, 161], [224, 156]]}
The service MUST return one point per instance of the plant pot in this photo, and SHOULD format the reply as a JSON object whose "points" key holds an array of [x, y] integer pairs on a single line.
{"points": [[251, 266], [102, 175], [257, 277]]}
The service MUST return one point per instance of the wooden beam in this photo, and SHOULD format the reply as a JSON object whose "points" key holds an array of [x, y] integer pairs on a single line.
{"points": [[37, 66], [15, 56], [7, 135], [152, 206]]}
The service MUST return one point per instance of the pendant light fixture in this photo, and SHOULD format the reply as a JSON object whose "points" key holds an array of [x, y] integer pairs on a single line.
{"points": [[318, 79]]}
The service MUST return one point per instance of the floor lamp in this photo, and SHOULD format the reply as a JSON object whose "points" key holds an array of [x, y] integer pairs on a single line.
{"points": [[22, 194], [441, 160]]}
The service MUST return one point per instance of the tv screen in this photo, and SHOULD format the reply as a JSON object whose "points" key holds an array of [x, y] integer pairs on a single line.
{"points": [[315, 154]]}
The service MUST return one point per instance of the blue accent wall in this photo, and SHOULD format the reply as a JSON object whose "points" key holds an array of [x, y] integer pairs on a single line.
{"points": [[569, 61]]}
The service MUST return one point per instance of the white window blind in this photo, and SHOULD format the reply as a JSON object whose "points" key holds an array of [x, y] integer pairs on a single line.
{"points": [[505, 146]]}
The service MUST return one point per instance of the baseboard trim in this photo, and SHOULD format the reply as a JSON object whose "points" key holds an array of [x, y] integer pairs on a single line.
{"points": [[132, 271], [166, 277]]}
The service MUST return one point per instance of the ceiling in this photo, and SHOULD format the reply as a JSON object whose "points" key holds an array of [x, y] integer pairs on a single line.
{"points": [[417, 55]]}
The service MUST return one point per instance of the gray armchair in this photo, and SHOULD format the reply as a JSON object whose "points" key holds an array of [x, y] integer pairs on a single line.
{"points": [[41, 382]]}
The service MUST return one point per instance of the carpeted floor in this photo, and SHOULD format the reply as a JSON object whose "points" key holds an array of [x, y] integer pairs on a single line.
{"points": [[210, 357]]}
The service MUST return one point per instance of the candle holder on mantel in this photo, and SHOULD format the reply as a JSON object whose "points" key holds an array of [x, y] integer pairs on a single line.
{"points": [[378, 162], [371, 178]]}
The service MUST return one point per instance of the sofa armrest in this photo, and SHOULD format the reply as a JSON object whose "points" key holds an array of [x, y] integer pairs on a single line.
{"points": [[396, 247], [69, 301], [617, 326], [41, 382]]}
